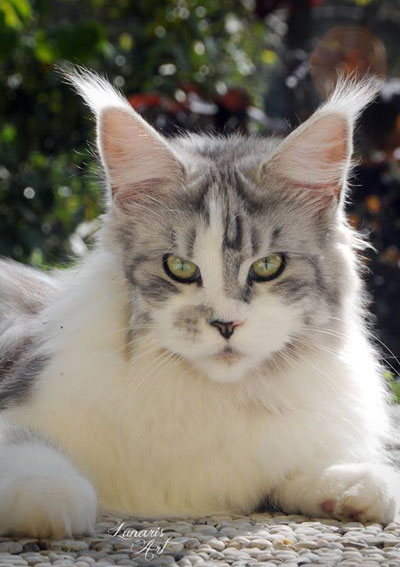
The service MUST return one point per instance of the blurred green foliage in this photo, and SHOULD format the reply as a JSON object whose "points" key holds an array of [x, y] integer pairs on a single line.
{"points": [[394, 386]]}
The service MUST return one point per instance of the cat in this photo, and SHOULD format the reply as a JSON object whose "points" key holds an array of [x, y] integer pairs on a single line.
{"points": [[210, 354]]}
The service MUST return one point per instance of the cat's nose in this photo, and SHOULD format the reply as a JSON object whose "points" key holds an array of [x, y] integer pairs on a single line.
{"points": [[226, 328]]}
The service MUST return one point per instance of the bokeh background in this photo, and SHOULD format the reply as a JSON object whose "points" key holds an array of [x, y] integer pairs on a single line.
{"points": [[217, 65]]}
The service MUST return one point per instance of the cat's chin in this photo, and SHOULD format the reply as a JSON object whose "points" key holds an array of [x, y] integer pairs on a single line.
{"points": [[224, 369]]}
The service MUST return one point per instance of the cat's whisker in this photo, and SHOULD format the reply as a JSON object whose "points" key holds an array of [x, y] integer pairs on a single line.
{"points": [[138, 339], [136, 327], [343, 336], [303, 355], [134, 383], [158, 363], [136, 345], [136, 357], [372, 335], [317, 346], [335, 318], [378, 340], [143, 355], [337, 335], [285, 356]]}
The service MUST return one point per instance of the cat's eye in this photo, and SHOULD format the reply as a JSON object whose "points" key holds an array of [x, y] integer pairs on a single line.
{"points": [[180, 269], [267, 268]]}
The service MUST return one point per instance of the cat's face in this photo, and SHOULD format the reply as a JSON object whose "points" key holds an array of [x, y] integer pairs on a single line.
{"points": [[234, 250], [228, 274]]}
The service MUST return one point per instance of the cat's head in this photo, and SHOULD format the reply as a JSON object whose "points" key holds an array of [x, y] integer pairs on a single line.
{"points": [[235, 250]]}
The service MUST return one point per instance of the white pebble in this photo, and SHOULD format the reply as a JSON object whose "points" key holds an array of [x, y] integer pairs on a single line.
{"points": [[11, 547], [307, 544], [260, 543], [216, 544]]}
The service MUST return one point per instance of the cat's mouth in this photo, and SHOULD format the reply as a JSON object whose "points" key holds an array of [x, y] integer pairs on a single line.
{"points": [[228, 355]]}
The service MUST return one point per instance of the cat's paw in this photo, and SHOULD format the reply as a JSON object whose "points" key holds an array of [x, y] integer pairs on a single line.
{"points": [[361, 492], [47, 505]]}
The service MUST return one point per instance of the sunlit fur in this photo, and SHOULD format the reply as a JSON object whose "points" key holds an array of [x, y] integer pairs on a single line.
{"points": [[132, 382]]}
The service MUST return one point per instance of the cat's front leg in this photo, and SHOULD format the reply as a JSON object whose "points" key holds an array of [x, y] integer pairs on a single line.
{"points": [[41, 493], [361, 491]]}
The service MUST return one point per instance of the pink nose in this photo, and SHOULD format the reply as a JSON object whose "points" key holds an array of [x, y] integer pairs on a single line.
{"points": [[226, 328]]}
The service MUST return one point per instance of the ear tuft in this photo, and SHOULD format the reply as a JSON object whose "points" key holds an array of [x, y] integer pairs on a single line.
{"points": [[95, 90], [351, 95]]}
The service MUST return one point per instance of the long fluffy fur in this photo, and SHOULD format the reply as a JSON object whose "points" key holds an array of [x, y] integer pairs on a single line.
{"points": [[132, 386]]}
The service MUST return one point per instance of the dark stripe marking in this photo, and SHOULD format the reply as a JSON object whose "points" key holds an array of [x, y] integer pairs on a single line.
{"points": [[157, 288], [190, 242], [18, 381], [233, 232], [292, 288], [274, 237], [255, 241]]}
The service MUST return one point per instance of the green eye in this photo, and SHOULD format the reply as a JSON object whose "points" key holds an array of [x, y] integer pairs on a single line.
{"points": [[267, 268], [181, 270]]}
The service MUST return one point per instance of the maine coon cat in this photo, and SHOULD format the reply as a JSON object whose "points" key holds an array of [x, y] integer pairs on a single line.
{"points": [[210, 353]]}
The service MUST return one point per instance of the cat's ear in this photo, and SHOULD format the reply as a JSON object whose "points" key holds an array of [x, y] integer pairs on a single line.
{"points": [[138, 161], [316, 157]]}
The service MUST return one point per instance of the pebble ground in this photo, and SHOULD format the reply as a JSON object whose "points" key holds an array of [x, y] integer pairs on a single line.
{"points": [[238, 541]]}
